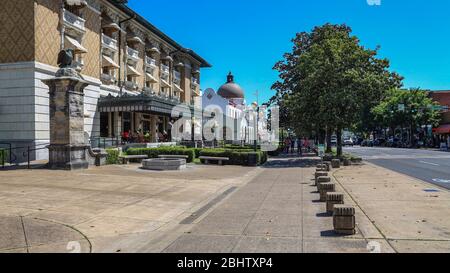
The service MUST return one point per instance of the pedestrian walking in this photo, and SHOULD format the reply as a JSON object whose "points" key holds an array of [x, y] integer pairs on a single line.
{"points": [[293, 146], [287, 145]]}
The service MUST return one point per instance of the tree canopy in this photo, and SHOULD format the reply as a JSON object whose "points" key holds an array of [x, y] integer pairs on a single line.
{"points": [[330, 80]]}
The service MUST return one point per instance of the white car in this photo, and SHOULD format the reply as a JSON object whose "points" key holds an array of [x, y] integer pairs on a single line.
{"points": [[348, 142]]}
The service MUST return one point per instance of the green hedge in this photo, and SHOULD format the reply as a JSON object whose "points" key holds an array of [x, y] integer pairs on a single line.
{"points": [[3, 155], [113, 157], [237, 157], [155, 152]]}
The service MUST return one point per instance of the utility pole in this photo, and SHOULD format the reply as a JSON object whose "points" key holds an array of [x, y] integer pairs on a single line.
{"points": [[257, 120]]}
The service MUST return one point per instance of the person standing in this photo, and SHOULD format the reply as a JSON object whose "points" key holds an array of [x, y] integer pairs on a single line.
{"points": [[293, 146], [287, 144], [300, 146]]}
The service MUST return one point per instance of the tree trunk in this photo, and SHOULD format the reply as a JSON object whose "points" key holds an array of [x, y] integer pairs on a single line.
{"points": [[339, 142], [329, 132]]}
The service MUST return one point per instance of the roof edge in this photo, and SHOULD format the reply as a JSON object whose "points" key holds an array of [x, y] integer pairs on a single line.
{"points": [[127, 10]]}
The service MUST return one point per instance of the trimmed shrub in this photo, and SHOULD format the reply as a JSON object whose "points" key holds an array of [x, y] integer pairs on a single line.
{"points": [[155, 152], [237, 157], [113, 157], [3, 155]]}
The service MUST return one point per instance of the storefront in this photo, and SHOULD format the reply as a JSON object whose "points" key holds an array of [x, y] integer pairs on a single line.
{"points": [[144, 118], [442, 136]]}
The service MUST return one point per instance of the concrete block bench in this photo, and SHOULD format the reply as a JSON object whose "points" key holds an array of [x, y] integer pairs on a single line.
{"points": [[174, 156], [126, 158], [344, 221], [220, 160], [334, 198]]}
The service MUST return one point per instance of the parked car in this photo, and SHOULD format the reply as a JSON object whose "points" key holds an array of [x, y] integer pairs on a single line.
{"points": [[394, 143], [348, 142], [379, 142], [367, 143]]}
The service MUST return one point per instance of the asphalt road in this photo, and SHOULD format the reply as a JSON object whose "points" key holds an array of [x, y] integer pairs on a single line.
{"points": [[429, 166]]}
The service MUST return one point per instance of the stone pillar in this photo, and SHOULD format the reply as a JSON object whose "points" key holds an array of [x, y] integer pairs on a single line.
{"points": [[67, 148], [153, 127]]}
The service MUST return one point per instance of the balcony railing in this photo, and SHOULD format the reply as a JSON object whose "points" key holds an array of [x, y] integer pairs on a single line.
{"points": [[132, 53], [108, 79], [129, 85], [109, 42], [165, 69], [74, 21], [150, 61]]}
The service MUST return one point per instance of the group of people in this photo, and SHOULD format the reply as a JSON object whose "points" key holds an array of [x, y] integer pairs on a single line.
{"points": [[141, 137], [291, 145]]}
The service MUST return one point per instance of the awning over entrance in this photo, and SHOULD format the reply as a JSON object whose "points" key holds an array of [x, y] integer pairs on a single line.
{"points": [[144, 103], [442, 130]]}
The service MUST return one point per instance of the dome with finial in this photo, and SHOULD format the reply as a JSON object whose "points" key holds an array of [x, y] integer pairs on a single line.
{"points": [[231, 90]]}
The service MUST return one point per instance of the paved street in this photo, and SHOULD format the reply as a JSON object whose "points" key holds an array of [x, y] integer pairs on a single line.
{"points": [[429, 166]]}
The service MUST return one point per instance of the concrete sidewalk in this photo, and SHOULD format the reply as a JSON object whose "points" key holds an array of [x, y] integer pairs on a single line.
{"points": [[412, 215], [277, 211]]}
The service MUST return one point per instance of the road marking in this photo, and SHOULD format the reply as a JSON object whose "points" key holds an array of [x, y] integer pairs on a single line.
{"points": [[444, 181], [429, 163]]}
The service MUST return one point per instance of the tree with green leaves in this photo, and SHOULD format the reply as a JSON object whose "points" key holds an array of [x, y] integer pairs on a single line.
{"points": [[329, 79], [407, 109]]}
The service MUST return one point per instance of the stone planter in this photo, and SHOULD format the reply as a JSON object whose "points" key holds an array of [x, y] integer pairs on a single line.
{"points": [[322, 179], [335, 163], [325, 188], [164, 164], [319, 174], [327, 165], [347, 162], [334, 198], [344, 221]]}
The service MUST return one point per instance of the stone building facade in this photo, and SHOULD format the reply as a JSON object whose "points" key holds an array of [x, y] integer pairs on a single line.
{"points": [[118, 52]]}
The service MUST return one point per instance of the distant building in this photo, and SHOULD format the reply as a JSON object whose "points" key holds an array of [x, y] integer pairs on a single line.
{"points": [[442, 132], [239, 118]]}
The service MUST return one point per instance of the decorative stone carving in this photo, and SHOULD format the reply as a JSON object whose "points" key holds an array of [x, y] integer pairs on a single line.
{"points": [[66, 99]]}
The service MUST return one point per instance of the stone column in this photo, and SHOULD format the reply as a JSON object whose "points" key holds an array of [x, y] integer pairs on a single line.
{"points": [[153, 127], [67, 148]]}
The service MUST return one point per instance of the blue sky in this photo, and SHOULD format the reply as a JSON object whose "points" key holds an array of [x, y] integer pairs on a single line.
{"points": [[249, 36]]}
